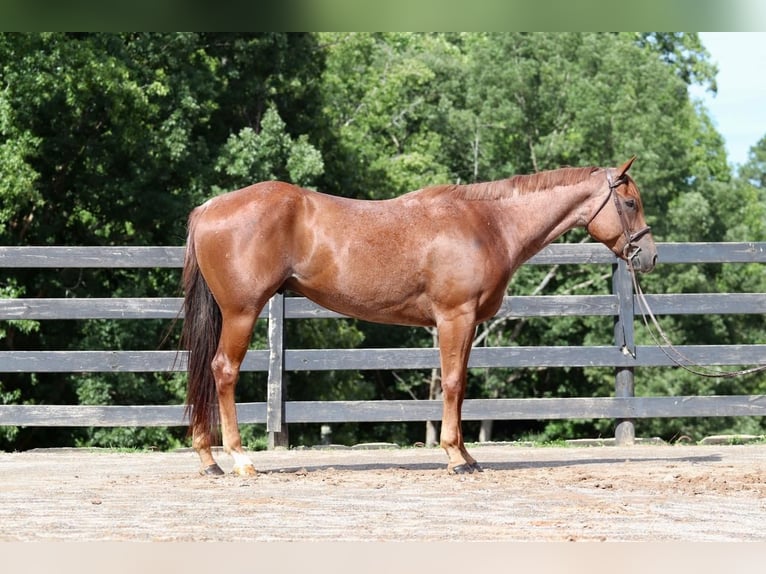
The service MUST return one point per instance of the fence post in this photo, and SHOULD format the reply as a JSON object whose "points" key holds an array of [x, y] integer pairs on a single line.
{"points": [[276, 389], [622, 287]]}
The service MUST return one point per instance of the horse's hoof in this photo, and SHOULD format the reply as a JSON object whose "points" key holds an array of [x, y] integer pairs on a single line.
{"points": [[466, 468], [244, 470], [212, 470]]}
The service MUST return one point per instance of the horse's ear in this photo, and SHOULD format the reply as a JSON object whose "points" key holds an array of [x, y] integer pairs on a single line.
{"points": [[623, 169]]}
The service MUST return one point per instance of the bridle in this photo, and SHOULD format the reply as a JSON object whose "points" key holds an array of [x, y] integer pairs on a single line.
{"points": [[629, 251], [631, 248]]}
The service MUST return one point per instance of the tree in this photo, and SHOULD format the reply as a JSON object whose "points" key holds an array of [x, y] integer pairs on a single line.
{"points": [[112, 139], [389, 99], [754, 170]]}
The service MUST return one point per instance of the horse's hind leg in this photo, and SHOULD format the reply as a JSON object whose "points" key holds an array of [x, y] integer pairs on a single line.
{"points": [[201, 441], [236, 333]]}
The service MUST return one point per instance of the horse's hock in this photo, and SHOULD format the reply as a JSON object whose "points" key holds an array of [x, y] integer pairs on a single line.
{"points": [[693, 493]]}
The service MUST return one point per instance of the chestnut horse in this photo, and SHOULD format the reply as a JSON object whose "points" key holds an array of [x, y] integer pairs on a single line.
{"points": [[441, 256]]}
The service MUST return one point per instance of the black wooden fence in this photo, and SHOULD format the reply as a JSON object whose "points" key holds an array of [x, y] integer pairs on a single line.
{"points": [[276, 413]]}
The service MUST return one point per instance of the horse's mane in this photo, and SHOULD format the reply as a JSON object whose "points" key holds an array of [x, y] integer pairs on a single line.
{"points": [[520, 184]]}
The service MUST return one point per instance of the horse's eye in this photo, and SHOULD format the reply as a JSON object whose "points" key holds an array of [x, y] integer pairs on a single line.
{"points": [[630, 203]]}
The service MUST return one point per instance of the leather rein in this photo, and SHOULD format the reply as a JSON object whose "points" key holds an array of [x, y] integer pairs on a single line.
{"points": [[629, 251], [661, 339]]}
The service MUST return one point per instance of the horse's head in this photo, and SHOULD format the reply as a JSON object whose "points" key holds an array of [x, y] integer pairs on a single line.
{"points": [[618, 220]]}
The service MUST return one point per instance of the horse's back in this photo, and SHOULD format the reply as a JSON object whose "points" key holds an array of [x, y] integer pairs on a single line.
{"points": [[262, 196]]}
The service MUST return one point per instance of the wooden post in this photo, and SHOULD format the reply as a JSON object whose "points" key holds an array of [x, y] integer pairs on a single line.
{"points": [[276, 390], [622, 287]]}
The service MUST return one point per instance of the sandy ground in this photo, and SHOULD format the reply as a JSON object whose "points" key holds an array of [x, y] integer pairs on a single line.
{"points": [[640, 493]]}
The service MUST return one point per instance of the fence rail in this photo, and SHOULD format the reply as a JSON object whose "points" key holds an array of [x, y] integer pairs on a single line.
{"points": [[276, 413]]}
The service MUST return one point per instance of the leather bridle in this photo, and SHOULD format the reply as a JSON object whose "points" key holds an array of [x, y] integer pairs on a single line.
{"points": [[631, 248], [629, 251]]}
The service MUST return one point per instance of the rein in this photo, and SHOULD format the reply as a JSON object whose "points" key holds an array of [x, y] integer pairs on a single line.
{"points": [[670, 351], [629, 251]]}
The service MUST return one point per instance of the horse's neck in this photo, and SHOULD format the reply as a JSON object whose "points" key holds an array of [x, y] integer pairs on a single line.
{"points": [[534, 220]]}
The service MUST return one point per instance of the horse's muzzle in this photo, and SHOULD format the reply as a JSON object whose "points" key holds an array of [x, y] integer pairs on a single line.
{"points": [[642, 254]]}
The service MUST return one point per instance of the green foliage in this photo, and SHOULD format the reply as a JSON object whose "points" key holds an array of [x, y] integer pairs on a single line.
{"points": [[17, 178], [111, 139], [154, 438], [388, 98], [270, 154], [754, 171]]}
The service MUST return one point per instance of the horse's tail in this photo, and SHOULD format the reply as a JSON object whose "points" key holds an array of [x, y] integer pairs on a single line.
{"points": [[200, 335]]}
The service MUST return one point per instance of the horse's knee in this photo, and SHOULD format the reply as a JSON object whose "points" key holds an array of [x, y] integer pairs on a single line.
{"points": [[452, 387]]}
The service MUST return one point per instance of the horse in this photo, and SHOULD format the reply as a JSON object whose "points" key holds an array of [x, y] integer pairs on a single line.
{"points": [[441, 257]]}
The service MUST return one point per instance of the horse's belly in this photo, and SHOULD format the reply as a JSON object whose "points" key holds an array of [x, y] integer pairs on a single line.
{"points": [[370, 302]]}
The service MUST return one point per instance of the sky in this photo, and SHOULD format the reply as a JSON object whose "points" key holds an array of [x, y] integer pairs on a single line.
{"points": [[739, 108]]}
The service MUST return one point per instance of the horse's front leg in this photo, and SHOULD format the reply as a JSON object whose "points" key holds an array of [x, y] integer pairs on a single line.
{"points": [[455, 337], [235, 338]]}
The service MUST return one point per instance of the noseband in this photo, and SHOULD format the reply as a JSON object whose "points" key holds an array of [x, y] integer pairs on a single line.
{"points": [[631, 248]]}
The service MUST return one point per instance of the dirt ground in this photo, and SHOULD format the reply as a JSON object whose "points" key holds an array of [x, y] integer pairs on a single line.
{"points": [[639, 493]]}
